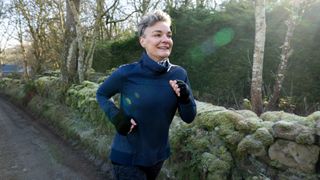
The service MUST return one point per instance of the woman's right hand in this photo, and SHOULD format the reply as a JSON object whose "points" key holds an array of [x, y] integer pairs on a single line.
{"points": [[133, 125]]}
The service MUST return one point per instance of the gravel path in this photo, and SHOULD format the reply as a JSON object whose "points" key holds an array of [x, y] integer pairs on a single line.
{"points": [[30, 151]]}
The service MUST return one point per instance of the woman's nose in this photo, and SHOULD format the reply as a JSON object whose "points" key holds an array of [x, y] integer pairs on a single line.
{"points": [[166, 38]]}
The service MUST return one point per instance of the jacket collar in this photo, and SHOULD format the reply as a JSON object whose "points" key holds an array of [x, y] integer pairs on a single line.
{"points": [[153, 65]]}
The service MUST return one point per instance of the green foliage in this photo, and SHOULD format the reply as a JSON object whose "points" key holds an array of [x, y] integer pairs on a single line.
{"points": [[203, 49], [102, 58], [216, 47], [206, 40], [51, 87], [287, 104], [111, 54], [29, 89], [29, 86], [82, 98], [12, 87], [305, 64]]}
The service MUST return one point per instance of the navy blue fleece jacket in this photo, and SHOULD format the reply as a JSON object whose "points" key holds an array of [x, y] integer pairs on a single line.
{"points": [[148, 98]]}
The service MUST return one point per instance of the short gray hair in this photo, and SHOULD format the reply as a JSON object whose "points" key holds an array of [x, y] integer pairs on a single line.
{"points": [[151, 19]]}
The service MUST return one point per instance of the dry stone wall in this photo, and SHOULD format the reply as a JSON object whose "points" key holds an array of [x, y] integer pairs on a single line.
{"points": [[276, 145], [219, 144]]}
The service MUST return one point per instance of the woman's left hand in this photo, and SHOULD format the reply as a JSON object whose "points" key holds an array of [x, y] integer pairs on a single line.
{"points": [[175, 87], [182, 90]]}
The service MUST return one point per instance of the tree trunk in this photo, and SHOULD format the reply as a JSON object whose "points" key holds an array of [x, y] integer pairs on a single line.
{"points": [[35, 31], [145, 6], [95, 36], [23, 51], [99, 20], [69, 55], [286, 52], [257, 67], [74, 7], [1, 57], [37, 52]]}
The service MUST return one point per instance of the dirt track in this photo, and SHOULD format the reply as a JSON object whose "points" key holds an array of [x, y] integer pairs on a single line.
{"points": [[30, 151]]}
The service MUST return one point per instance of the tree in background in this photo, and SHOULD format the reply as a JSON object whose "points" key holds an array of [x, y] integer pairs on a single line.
{"points": [[69, 55], [302, 80], [2, 13], [96, 34], [214, 42], [257, 67], [75, 64], [5, 29], [296, 11], [23, 49], [143, 6], [35, 17]]}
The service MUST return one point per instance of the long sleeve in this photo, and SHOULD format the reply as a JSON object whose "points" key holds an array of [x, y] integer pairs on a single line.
{"points": [[107, 89], [148, 98], [188, 111]]}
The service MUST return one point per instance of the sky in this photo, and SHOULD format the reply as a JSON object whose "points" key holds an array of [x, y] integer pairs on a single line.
{"points": [[7, 38], [8, 33]]}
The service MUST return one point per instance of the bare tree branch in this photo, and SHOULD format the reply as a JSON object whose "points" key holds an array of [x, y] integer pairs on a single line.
{"points": [[120, 20]]}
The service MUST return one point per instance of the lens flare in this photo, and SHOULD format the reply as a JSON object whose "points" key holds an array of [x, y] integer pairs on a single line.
{"points": [[196, 54], [223, 37], [128, 101], [210, 46], [136, 95]]}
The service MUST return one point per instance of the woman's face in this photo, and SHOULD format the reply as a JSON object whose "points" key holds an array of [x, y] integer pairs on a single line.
{"points": [[157, 41]]}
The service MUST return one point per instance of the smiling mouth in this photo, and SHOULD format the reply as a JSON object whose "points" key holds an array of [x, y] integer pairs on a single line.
{"points": [[164, 48]]}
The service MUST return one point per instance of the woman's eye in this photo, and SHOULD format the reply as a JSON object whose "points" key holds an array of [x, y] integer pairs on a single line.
{"points": [[157, 35], [169, 35]]}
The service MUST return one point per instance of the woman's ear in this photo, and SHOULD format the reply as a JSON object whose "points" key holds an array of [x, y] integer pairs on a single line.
{"points": [[141, 40]]}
